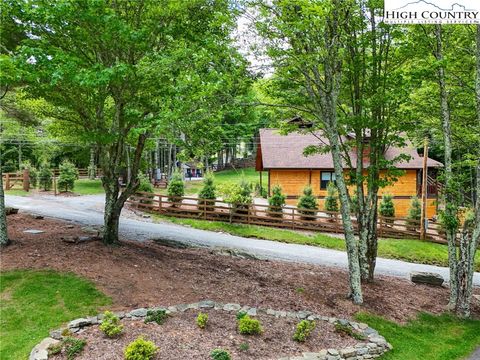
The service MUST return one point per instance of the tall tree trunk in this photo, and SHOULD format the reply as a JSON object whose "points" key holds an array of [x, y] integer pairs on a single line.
{"points": [[92, 167], [4, 241], [450, 206], [169, 161]]}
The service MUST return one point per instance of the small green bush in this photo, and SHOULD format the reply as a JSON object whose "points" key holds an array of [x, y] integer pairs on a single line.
{"points": [[244, 347], [239, 196], [73, 347], [249, 326], [140, 349], [387, 208], [220, 354], [68, 175], [110, 325], [159, 316], [309, 202], [331, 200], [55, 349], [145, 186], [303, 331], [343, 329], [414, 213], [241, 314], [202, 320], [276, 202], [45, 178], [175, 188], [32, 173], [208, 192]]}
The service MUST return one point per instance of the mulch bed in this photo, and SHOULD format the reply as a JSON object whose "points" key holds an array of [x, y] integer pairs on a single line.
{"points": [[147, 274], [180, 338]]}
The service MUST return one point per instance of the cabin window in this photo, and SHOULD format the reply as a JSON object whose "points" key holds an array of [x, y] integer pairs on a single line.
{"points": [[325, 178]]}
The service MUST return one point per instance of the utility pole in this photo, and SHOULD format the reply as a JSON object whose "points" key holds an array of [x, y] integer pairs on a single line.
{"points": [[423, 216]]}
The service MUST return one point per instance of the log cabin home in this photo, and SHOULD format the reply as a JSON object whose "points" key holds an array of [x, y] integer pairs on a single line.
{"points": [[282, 157]]}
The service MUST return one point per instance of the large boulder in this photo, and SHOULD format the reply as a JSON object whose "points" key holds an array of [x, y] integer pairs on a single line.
{"points": [[420, 277]]}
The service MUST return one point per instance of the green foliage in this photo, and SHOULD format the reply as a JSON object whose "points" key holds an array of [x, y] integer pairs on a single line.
{"points": [[45, 178], [331, 200], [249, 326], [347, 330], [202, 320], [140, 349], [176, 187], [260, 190], [145, 186], [415, 210], [387, 208], [303, 330], [276, 202], [244, 347], [220, 354], [241, 315], [239, 196], [208, 192], [73, 346], [354, 204], [110, 325], [68, 175], [55, 349], [307, 201], [159, 316], [33, 173]]}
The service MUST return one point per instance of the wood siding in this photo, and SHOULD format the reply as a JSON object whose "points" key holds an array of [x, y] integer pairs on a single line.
{"points": [[293, 182]]}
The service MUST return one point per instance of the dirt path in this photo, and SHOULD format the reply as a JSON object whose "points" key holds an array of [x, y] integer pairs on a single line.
{"points": [[147, 274]]}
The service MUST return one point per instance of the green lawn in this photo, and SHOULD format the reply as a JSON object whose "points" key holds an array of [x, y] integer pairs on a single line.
{"points": [[408, 250], [88, 187], [427, 337], [34, 302], [17, 192]]}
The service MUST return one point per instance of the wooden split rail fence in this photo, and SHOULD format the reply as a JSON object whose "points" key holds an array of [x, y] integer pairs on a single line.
{"points": [[290, 217], [18, 180]]}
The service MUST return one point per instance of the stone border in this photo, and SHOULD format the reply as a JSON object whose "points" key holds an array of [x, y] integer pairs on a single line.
{"points": [[375, 345]]}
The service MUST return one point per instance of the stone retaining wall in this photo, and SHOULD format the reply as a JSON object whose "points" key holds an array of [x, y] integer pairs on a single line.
{"points": [[374, 346]]}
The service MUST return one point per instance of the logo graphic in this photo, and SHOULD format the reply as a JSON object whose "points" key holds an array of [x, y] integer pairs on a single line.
{"points": [[432, 12]]}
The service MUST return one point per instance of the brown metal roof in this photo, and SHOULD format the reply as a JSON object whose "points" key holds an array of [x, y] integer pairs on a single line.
{"points": [[286, 152]]}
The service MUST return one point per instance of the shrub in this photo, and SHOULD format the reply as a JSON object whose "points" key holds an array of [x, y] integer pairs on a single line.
{"points": [[260, 190], [32, 173], [249, 326], [303, 331], [220, 354], [208, 192], [331, 200], [110, 325], [276, 202], [239, 196], [140, 349], [175, 188], [244, 347], [241, 314], [73, 347], [145, 186], [414, 213], [387, 207], [344, 329], [45, 178], [55, 349], [309, 202], [159, 316], [202, 320], [68, 175]]}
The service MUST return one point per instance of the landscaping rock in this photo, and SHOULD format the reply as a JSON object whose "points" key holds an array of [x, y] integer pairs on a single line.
{"points": [[33, 231], [10, 211], [231, 307], [142, 312], [40, 351], [173, 243], [206, 304], [78, 323], [428, 278]]}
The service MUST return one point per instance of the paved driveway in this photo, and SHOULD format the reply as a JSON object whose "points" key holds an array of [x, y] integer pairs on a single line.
{"points": [[88, 210]]}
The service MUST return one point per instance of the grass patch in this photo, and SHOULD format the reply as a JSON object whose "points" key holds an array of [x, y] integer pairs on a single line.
{"points": [[88, 187], [407, 250], [17, 192], [34, 302], [428, 337]]}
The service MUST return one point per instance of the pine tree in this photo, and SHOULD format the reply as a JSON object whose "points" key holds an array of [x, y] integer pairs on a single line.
{"points": [[176, 188], [45, 178], [308, 202], [208, 192], [276, 202], [68, 175], [414, 213], [387, 208], [331, 200]]}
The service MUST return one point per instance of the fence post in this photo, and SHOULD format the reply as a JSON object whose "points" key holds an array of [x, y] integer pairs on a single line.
{"points": [[159, 203], [26, 180], [293, 218], [205, 210]]}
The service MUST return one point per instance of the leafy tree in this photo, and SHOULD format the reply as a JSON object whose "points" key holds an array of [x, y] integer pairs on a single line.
{"points": [[308, 201], [176, 188], [117, 96], [276, 202], [208, 192], [67, 176], [331, 200], [239, 196], [45, 176]]}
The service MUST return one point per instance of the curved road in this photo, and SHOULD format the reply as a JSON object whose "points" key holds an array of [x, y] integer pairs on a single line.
{"points": [[88, 210]]}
